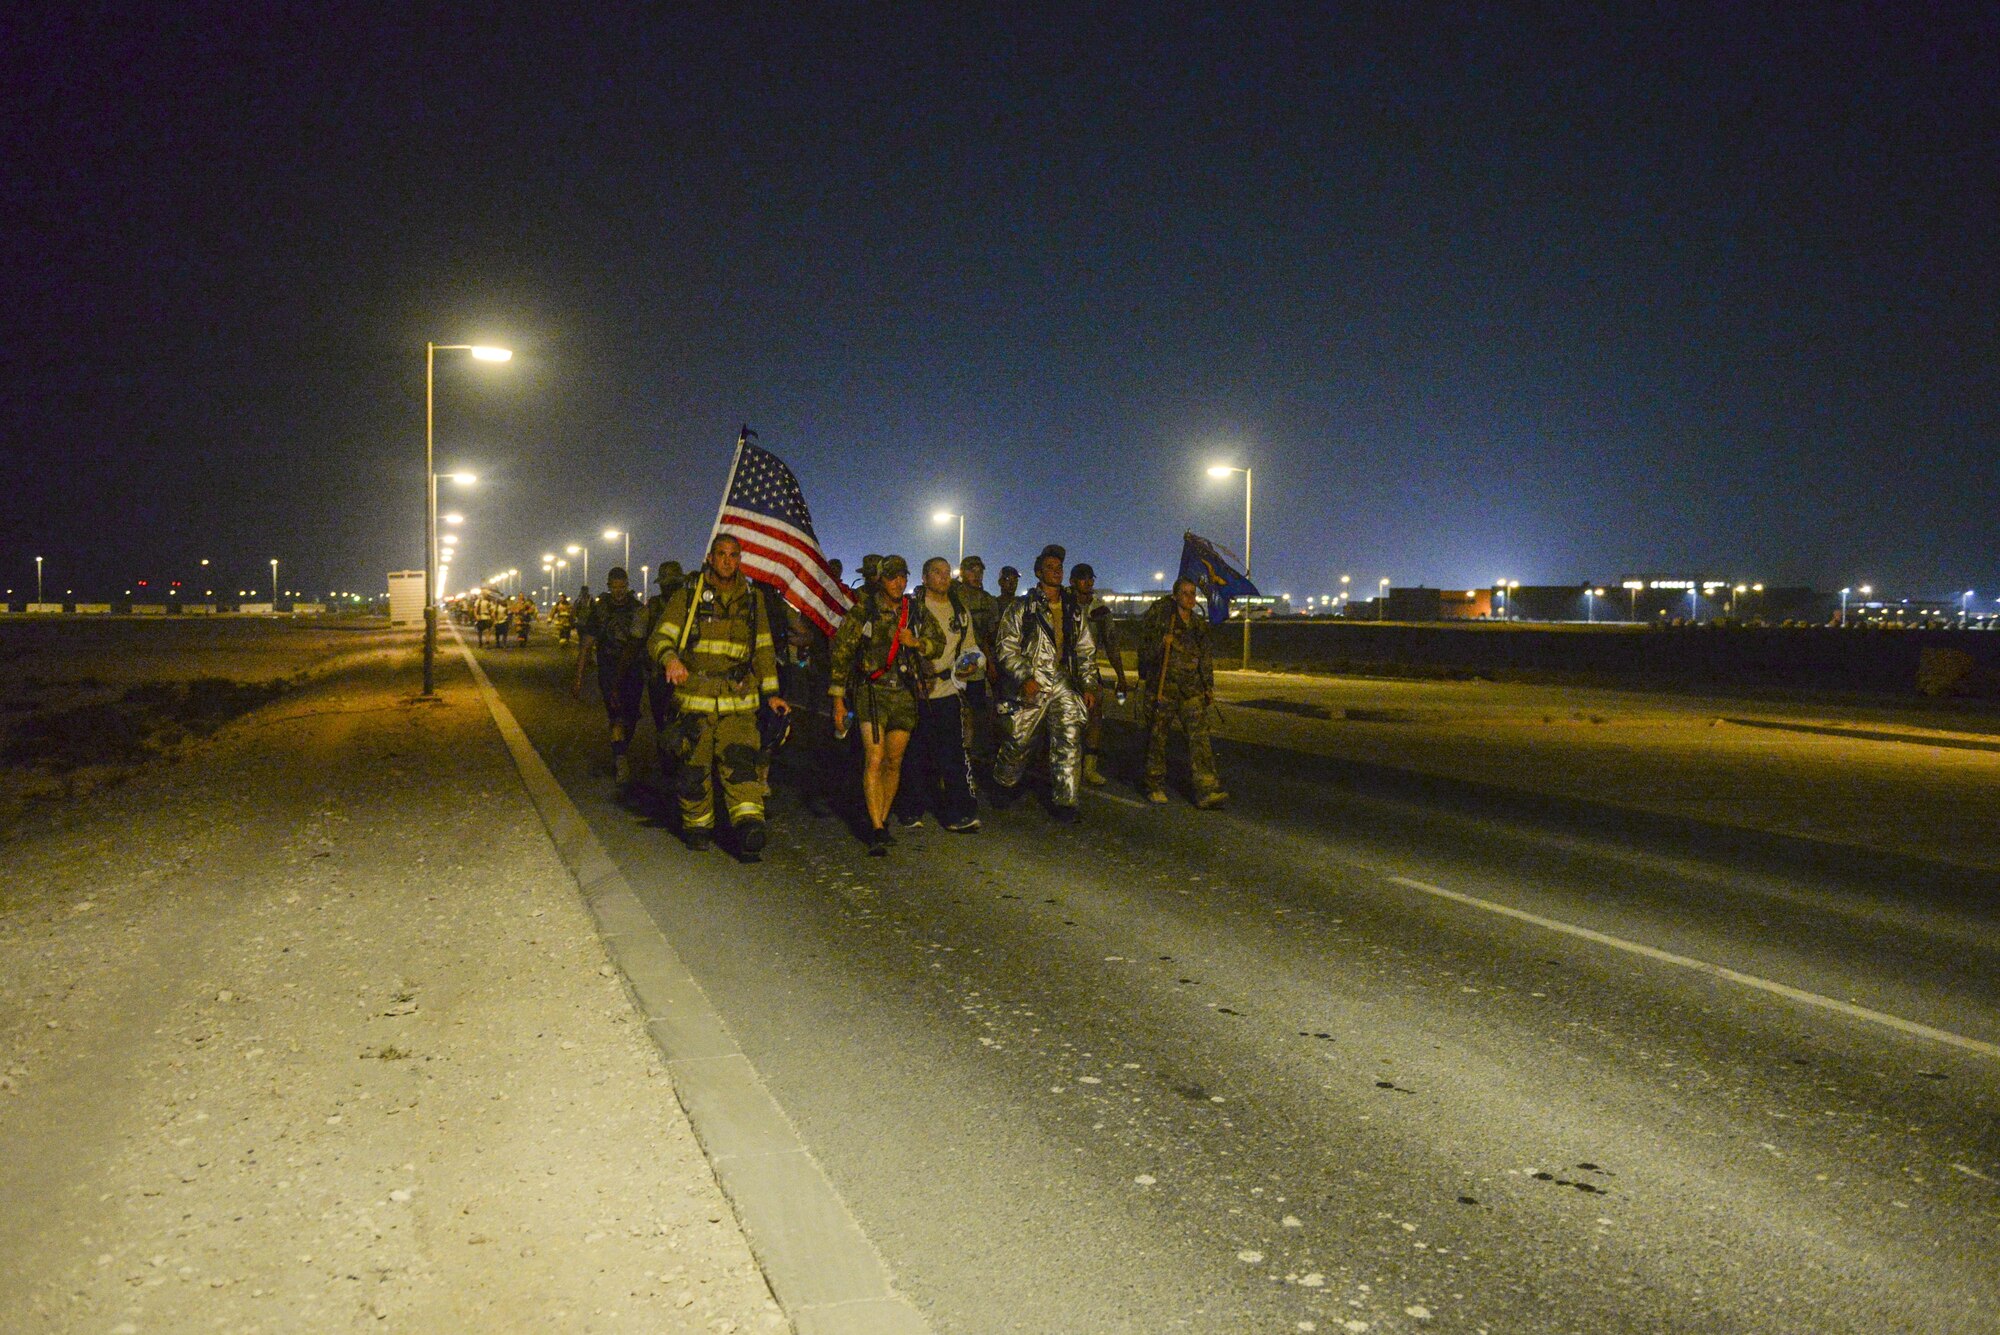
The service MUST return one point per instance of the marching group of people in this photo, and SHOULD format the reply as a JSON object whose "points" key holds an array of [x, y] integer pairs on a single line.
{"points": [[926, 685], [502, 617]]}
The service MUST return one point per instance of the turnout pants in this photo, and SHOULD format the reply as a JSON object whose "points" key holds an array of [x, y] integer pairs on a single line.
{"points": [[1061, 708], [935, 769], [1185, 711], [729, 745]]}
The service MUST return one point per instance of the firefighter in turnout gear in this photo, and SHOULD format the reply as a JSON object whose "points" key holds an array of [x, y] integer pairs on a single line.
{"points": [[881, 659], [1049, 662], [1177, 672], [614, 631], [714, 643]]}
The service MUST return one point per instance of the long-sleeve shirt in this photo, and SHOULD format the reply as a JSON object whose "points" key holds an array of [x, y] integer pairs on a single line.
{"points": [[722, 635], [1176, 643]]}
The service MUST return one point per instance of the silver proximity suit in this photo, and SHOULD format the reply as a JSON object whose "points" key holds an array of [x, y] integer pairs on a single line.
{"points": [[1026, 647]]}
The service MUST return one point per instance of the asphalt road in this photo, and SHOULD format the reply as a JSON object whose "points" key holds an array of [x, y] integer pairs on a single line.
{"points": [[1303, 1064]]}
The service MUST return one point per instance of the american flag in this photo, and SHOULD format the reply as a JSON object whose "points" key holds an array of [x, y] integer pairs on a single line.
{"points": [[766, 512]]}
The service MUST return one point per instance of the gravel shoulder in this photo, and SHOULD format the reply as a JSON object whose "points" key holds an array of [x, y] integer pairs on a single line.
{"points": [[1673, 755], [309, 1030]]}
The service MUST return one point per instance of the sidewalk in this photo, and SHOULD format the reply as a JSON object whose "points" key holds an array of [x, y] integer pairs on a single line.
{"points": [[312, 1032]]}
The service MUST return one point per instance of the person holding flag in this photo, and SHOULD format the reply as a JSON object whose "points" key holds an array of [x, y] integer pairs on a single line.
{"points": [[713, 642], [1177, 672]]}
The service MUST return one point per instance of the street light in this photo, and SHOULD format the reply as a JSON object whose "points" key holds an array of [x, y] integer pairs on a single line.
{"points": [[1843, 605], [1381, 597], [38, 579], [612, 535], [1220, 471], [583, 550], [479, 353], [1590, 606], [1159, 577], [945, 517]]}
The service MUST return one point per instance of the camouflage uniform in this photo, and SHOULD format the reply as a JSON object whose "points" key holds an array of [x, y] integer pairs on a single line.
{"points": [[723, 637], [881, 693], [1177, 672]]}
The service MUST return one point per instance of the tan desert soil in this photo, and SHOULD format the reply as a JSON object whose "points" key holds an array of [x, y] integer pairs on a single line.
{"points": [[309, 1031]]}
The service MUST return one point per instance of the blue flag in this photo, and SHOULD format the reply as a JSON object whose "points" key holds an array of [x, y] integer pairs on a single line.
{"points": [[1203, 562]]}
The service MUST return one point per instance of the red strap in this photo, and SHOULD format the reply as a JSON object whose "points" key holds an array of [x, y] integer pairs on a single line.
{"points": [[902, 620]]}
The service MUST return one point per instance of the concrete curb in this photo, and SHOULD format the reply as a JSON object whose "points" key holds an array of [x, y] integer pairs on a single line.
{"points": [[820, 1265]]}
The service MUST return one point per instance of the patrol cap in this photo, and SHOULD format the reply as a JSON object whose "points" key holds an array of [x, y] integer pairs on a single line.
{"points": [[871, 565], [1082, 570], [891, 567], [617, 572], [1009, 570], [670, 570], [972, 563], [1054, 549]]}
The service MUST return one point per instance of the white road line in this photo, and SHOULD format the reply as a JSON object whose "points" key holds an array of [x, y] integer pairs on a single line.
{"points": [[1847, 1008], [1122, 801]]}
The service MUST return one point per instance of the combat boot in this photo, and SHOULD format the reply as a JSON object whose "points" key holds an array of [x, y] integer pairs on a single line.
{"points": [[1211, 799], [752, 835], [1157, 796], [1091, 774]]}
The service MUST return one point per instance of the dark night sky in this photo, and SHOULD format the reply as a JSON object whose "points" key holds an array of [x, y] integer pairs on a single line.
{"points": [[1507, 291]]}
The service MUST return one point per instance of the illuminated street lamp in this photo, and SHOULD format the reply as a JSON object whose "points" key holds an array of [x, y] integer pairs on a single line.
{"points": [[479, 353], [1382, 598], [1590, 605], [581, 549], [945, 517], [1159, 577], [612, 535], [274, 584], [1220, 471], [1965, 606], [38, 578]]}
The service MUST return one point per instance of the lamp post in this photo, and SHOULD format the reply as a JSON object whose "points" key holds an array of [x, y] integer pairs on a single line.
{"points": [[612, 535], [1965, 608], [581, 549], [38, 579], [1843, 605], [274, 584], [945, 517], [1590, 607], [1222, 471], [484, 354]]}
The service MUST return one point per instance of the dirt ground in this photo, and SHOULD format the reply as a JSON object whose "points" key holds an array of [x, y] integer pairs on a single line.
{"points": [[303, 1027], [1701, 757]]}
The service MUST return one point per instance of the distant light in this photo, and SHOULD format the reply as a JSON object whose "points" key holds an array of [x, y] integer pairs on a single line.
{"points": [[942, 517], [611, 533], [548, 557], [448, 539], [462, 479], [492, 354], [1221, 470], [1159, 575], [453, 518], [573, 549]]}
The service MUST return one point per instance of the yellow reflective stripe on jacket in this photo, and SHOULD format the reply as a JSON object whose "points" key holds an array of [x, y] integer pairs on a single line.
{"points": [[710, 704]]}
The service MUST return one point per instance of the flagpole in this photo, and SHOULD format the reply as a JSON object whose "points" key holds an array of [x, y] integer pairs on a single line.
{"points": [[741, 438]]}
